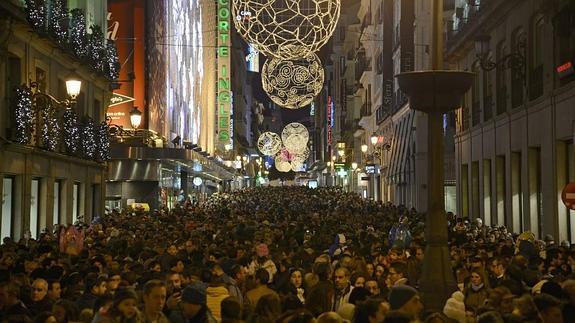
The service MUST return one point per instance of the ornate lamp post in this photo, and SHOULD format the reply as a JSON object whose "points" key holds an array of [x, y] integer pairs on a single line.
{"points": [[135, 118], [436, 92]]}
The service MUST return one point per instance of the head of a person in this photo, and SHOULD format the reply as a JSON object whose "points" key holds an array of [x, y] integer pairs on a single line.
{"points": [[262, 276], [39, 289], [154, 296], [322, 270], [549, 307], [373, 287], [358, 280], [405, 299], [125, 302], [174, 281], [65, 311], [54, 290], [497, 266], [397, 271], [114, 279], [296, 278], [476, 278], [193, 299], [379, 271], [172, 250], [238, 273], [96, 284], [268, 306], [231, 309], [396, 254], [341, 277], [329, 317], [371, 310]]}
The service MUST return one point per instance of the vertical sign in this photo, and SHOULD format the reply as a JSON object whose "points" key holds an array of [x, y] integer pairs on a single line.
{"points": [[329, 120], [223, 87]]}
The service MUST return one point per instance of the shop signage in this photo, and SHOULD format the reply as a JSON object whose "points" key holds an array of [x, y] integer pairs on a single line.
{"points": [[223, 87]]}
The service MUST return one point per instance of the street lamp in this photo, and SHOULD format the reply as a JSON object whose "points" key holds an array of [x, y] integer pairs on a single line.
{"points": [[364, 148], [135, 118], [354, 165], [73, 87], [515, 60], [238, 157], [333, 158], [341, 152], [374, 138]]}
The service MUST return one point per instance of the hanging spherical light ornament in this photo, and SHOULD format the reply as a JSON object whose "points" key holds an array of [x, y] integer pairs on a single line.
{"points": [[281, 164], [295, 128], [293, 84], [269, 143], [301, 157], [296, 144], [286, 29]]}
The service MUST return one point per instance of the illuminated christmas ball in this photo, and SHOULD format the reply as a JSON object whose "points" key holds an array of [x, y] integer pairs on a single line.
{"points": [[286, 29], [293, 84], [295, 128], [301, 157], [296, 167], [282, 165], [269, 143], [296, 144]]}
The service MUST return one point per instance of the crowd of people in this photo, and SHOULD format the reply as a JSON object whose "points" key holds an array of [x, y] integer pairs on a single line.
{"points": [[279, 254]]}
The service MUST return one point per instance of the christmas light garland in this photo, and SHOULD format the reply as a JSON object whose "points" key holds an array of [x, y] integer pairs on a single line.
{"points": [[87, 132], [23, 116], [58, 21], [112, 67], [71, 132], [49, 126], [36, 13], [77, 33], [96, 48], [103, 142]]}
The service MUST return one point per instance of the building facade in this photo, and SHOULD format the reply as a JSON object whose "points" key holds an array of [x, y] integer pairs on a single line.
{"points": [[514, 142], [178, 65], [49, 176]]}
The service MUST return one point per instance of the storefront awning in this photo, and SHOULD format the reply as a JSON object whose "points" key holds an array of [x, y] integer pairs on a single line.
{"points": [[400, 147]]}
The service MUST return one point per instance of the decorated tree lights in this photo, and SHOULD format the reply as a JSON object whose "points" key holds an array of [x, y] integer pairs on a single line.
{"points": [[49, 126], [58, 21], [71, 132], [77, 33], [36, 13]]}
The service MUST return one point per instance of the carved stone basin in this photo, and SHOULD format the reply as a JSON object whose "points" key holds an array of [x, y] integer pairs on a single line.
{"points": [[435, 91]]}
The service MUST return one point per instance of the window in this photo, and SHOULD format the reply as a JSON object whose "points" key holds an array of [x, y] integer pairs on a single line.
{"points": [[75, 202], [57, 203], [516, 192], [34, 207], [7, 206], [537, 50], [487, 95], [464, 191], [564, 28], [475, 92], [487, 191], [517, 74], [475, 190], [500, 190], [536, 215], [501, 80]]}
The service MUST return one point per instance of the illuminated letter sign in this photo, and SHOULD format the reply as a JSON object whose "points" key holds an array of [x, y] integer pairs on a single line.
{"points": [[223, 86], [329, 119]]}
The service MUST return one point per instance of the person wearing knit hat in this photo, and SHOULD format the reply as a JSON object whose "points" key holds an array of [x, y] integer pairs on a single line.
{"points": [[193, 307], [455, 308], [124, 308], [405, 299]]}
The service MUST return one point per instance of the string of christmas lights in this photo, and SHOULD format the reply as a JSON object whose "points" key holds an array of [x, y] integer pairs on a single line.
{"points": [[36, 13], [96, 48], [71, 132], [112, 61], [77, 33], [103, 142], [57, 23], [23, 116], [50, 129]]}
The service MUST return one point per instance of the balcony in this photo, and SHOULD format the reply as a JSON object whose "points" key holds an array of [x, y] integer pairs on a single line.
{"points": [[362, 64]]}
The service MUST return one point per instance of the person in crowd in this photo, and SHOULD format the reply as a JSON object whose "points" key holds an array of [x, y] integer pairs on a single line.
{"points": [[95, 288], [405, 299], [476, 291], [343, 288], [261, 288], [10, 303], [123, 309], [39, 301], [154, 299]]}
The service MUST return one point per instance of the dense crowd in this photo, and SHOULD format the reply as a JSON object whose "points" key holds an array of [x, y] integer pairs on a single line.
{"points": [[283, 254]]}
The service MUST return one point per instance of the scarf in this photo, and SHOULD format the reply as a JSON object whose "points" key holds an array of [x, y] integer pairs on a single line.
{"points": [[476, 287]]}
